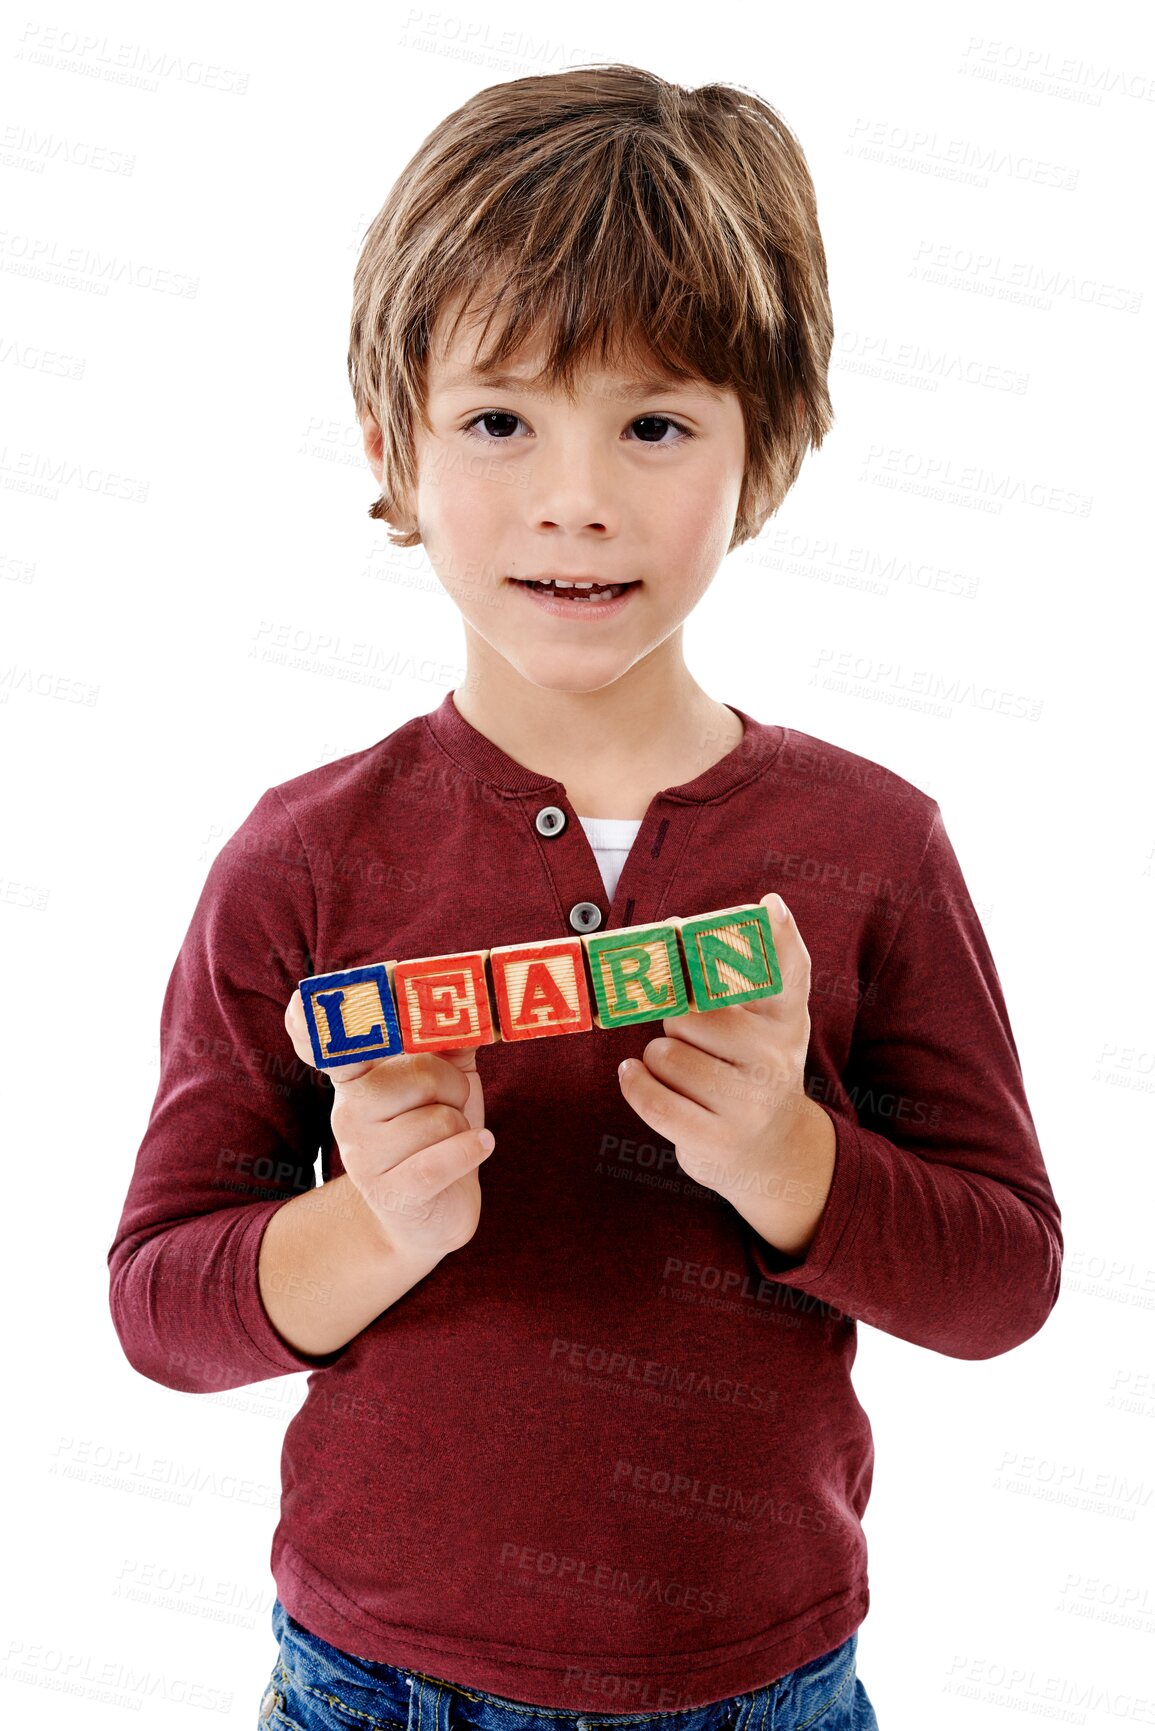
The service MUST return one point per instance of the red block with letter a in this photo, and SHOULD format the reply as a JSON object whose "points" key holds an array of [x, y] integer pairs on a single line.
{"points": [[443, 1002], [541, 988]]}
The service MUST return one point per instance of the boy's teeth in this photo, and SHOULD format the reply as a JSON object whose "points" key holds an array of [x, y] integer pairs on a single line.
{"points": [[581, 591]]}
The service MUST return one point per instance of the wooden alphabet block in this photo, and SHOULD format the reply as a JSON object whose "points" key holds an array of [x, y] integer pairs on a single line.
{"points": [[529, 991], [637, 974], [443, 1002], [540, 989], [350, 1016], [729, 956]]}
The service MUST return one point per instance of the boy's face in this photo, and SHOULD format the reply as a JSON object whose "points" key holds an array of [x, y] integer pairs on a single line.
{"points": [[634, 484]]}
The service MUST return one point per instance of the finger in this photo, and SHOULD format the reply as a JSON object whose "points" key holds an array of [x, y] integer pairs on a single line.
{"points": [[383, 1146], [713, 1082], [407, 1189], [793, 956], [669, 1113], [298, 1031]]}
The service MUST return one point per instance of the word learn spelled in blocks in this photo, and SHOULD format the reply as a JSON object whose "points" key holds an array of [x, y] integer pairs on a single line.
{"points": [[528, 991]]}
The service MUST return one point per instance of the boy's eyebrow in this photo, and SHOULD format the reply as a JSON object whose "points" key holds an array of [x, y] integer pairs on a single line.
{"points": [[635, 385]]}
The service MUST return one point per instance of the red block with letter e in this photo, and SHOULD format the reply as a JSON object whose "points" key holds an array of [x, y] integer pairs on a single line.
{"points": [[443, 1002], [541, 989]]}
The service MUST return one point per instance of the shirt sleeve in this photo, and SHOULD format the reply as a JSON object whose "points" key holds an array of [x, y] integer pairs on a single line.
{"points": [[235, 1126], [940, 1226]]}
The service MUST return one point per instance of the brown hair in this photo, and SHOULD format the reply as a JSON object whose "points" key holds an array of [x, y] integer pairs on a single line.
{"points": [[604, 204]]}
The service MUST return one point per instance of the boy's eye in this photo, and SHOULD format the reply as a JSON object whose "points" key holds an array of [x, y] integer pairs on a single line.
{"points": [[489, 416], [499, 432], [660, 421]]}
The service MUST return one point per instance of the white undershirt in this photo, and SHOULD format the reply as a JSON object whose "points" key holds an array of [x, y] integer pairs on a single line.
{"points": [[611, 839]]}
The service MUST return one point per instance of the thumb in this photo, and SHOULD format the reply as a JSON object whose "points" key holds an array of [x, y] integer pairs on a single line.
{"points": [[791, 954], [779, 913], [297, 1029]]}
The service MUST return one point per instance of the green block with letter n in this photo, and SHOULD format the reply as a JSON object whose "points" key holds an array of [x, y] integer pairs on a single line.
{"points": [[729, 956]]}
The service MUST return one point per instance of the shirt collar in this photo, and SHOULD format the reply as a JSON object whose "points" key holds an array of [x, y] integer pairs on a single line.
{"points": [[473, 751]]}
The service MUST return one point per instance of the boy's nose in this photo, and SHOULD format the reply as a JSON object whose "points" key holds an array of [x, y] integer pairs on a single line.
{"points": [[570, 486]]}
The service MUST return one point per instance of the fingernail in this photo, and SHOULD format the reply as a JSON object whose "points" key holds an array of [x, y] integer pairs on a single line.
{"points": [[783, 910]]}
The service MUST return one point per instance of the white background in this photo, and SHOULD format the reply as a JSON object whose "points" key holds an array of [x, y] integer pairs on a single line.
{"points": [[182, 482]]}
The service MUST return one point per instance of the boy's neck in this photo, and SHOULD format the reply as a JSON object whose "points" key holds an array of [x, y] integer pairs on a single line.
{"points": [[612, 750]]}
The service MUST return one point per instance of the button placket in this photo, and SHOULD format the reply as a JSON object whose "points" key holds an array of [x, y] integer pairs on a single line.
{"points": [[574, 866], [571, 863]]}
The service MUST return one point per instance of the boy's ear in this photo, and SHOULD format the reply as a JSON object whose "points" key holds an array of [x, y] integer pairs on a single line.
{"points": [[374, 444], [399, 514]]}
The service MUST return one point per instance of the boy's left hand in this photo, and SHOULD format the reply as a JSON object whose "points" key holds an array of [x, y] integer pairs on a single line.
{"points": [[726, 1088]]}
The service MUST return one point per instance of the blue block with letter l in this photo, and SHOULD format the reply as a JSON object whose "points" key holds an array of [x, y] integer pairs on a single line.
{"points": [[351, 1016]]}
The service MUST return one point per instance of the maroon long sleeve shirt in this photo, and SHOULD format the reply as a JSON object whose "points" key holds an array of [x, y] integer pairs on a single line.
{"points": [[607, 1456]]}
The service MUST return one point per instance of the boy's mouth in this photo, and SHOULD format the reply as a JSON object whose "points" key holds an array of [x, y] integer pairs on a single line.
{"points": [[582, 594]]}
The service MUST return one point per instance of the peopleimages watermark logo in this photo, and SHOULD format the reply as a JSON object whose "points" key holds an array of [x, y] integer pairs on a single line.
{"points": [[1031, 283], [1110, 1275], [1071, 1483], [994, 1683], [112, 1682], [970, 485], [868, 570], [1022, 66], [115, 1466], [590, 1580], [923, 150], [110, 60], [926, 689], [903, 362], [306, 650]]}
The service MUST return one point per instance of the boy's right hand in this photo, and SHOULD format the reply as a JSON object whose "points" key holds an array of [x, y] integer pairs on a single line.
{"points": [[407, 1129]]}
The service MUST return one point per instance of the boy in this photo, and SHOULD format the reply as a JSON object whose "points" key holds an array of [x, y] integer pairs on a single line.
{"points": [[580, 1436]]}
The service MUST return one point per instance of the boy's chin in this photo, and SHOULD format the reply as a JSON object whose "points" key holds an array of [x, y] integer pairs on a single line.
{"points": [[577, 672]]}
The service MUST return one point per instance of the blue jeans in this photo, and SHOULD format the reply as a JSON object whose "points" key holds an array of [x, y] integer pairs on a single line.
{"points": [[316, 1687]]}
